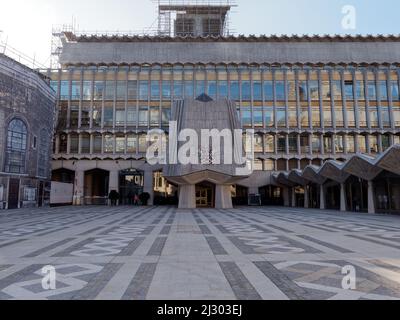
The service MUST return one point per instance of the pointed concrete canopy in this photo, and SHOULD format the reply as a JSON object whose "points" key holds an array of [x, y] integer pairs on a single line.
{"points": [[334, 170], [296, 177], [390, 159], [311, 173], [362, 166], [282, 179]]}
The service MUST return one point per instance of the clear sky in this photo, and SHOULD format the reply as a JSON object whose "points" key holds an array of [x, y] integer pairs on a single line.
{"points": [[27, 24]]}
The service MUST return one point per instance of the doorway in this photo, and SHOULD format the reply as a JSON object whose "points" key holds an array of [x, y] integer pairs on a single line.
{"points": [[13, 194], [205, 195]]}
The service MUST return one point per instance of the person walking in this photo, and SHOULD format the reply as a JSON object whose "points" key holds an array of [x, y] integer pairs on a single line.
{"points": [[136, 200]]}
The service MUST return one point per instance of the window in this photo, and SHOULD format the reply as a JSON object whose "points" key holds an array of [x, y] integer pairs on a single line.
{"points": [[269, 117], [385, 142], [16, 147], [97, 143], [269, 143], [85, 143], [63, 143], [257, 91], [200, 87], [395, 91], [362, 144], [258, 117], [108, 143], [212, 89], [108, 116], [281, 117], [87, 90], [371, 90], [143, 90], [143, 116], [54, 86], [373, 116], [339, 144], [268, 91], [328, 144], [110, 90], [155, 90], [121, 90], [120, 117], [314, 90], [98, 90], [29, 194], [74, 117], [337, 90], [154, 116], [223, 89], [360, 90], [132, 90], [383, 90], [120, 144], [258, 143], [131, 116], [269, 165], [75, 90], [166, 116], [303, 91], [189, 89], [43, 154], [281, 147], [349, 90], [85, 116], [64, 91], [178, 89], [305, 143], [246, 117], [246, 90], [373, 144], [280, 90], [293, 144], [74, 144], [385, 116], [316, 144], [96, 116], [131, 143], [350, 142], [234, 90]]}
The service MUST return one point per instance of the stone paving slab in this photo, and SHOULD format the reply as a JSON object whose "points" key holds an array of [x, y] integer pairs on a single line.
{"points": [[134, 253]]}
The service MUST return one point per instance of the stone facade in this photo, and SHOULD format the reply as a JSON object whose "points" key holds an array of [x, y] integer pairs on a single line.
{"points": [[25, 97]]}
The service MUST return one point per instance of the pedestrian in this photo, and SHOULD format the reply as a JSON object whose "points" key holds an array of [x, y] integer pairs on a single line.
{"points": [[136, 200]]}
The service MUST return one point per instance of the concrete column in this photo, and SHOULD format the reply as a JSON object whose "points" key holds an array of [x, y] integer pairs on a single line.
{"points": [[223, 197], [286, 197], [293, 197], [148, 185], [322, 199], [343, 206], [306, 198], [187, 196], [79, 193], [114, 181], [371, 198]]}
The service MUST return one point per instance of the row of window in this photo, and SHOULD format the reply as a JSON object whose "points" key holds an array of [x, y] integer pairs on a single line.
{"points": [[244, 90], [17, 146], [267, 116], [271, 144]]}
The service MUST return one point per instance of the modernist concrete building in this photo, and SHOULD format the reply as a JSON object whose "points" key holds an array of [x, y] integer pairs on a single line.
{"points": [[27, 116], [311, 100]]}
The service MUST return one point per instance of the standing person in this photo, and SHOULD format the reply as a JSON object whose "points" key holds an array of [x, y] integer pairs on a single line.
{"points": [[136, 200], [113, 196]]}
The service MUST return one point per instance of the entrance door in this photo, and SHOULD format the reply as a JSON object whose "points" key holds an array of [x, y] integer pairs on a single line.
{"points": [[205, 196], [13, 194]]}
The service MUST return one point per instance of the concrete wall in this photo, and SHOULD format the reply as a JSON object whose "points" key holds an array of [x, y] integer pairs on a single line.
{"points": [[230, 52], [61, 193]]}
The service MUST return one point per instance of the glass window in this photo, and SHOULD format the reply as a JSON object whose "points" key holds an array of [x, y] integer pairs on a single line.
{"points": [[360, 90], [75, 90], [396, 116], [258, 117], [155, 90], [166, 116], [132, 89], [385, 142], [98, 90], [120, 117], [269, 117], [257, 91], [54, 85], [385, 116], [350, 142], [304, 117], [362, 115], [269, 165], [305, 143], [349, 90], [154, 116], [96, 116], [17, 135], [258, 143], [303, 91], [189, 89], [383, 90], [85, 143], [121, 90], [326, 90], [178, 89], [143, 90], [108, 143], [316, 144], [74, 144], [142, 144], [223, 89], [63, 148], [314, 90], [234, 90], [269, 143], [293, 144], [131, 143], [373, 144], [371, 90], [97, 143], [200, 87], [120, 144], [246, 117], [339, 144], [131, 118], [64, 90], [395, 91], [85, 116], [281, 117], [328, 144], [351, 120], [110, 90], [268, 91], [143, 116], [246, 90], [166, 89], [280, 90], [108, 116], [316, 117], [373, 116], [337, 90], [74, 117], [281, 147], [258, 165], [362, 147], [292, 116], [212, 89], [87, 90]]}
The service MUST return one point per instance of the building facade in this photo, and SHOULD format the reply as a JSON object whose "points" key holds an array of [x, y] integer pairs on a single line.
{"points": [[27, 117], [310, 100]]}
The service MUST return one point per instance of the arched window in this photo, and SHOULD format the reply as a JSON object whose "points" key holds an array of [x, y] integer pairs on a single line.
{"points": [[43, 154], [16, 147]]}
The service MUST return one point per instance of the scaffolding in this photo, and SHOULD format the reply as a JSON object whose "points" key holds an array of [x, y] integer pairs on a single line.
{"points": [[175, 17]]}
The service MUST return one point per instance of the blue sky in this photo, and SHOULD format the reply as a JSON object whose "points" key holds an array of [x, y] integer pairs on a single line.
{"points": [[27, 24]]}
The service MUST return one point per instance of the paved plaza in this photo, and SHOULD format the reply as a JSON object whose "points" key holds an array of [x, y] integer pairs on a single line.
{"points": [[136, 253]]}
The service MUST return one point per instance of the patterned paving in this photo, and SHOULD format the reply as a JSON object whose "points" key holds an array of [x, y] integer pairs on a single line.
{"points": [[128, 253]]}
